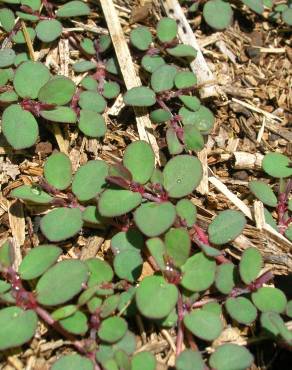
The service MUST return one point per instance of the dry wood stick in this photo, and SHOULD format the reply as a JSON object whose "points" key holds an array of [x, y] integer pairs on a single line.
{"points": [[128, 71]]}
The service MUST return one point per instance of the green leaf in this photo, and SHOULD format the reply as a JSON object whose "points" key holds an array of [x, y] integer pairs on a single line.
{"points": [[226, 226], [204, 324], [112, 66], [269, 219], [140, 97], [156, 248], [190, 360], [187, 212], [241, 309], [89, 83], [224, 279], [48, 30], [92, 124], [127, 240], [139, 159], [263, 192], [75, 324], [288, 232], [60, 114], [191, 102], [218, 14], [58, 90], [141, 38], [19, 38], [157, 177], [128, 265], [289, 309], [178, 245], [26, 17], [61, 223], [73, 9], [61, 282], [198, 273], [213, 307], [127, 306], [4, 287], [151, 62], [230, 357], [3, 77], [193, 138], [109, 306], [202, 118], [7, 57], [99, 272], [111, 90], [19, 127], [143, 360], [6, 254], [255, 5], [73, 362], [173, 144], [185, 79], [182, 174], [272, 323], [33, 194], [7, 19], [277, 165], [33, 4], [166, 29], [162, 79], [29, 78], [160, 115], [38, 260], [93, 101], [117, 202], [63, 312], [84, 66], [8, 97], [58, 170], [287, 16], [154, 219], [93, 218], [89, 180], [250, 265], [17, 326], [269, 299], [88, 46], [156, 298], [182, 51], [112, 329]]}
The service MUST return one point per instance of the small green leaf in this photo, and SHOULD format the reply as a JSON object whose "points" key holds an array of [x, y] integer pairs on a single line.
{"points": [[48, 30], [19, 38], [111, 90], [73, 362], [141, 38], [263, 192], [193, 138], [59, 114], [226, 226], [63, 312], [230, 357], [104, 43], [269, 219], [287, 16], [29, 78], [182, 51], [112, 66], [38, 260], [4, 287], [140, 97], [7, 57], [93, 218], [156, 298], [128, 265], [99, 272], [8, 97], [224, 279], [89, 83], [157, 177], [241, 309], [154, 219], [272, 323], [198, 273], [112, 329], [156, 248], [277, 165], [178, 245], [7, 19], [73, 9], [162, 79], [166, 29], [58, 170], [88, 46], [109, 306], [33, 4], [17, 326], [185, 79], [117, 202], [289, 308], [202, 118], [139, 159], [93, 101], [19, 127], [288, 232], [61, 223], [182, 174], [61, 282], [160, 115], [33, 194], [84, 66], [143, 360], [58, 90], [191, 102], [89, 180], [6, 254], [151, 62], [127, 240], [250, 265], [92, 124], [218, 14], [255, 5], [190, 360], [269, 299], [75, 324], [173, 144], [187, 212], [204, 324]]}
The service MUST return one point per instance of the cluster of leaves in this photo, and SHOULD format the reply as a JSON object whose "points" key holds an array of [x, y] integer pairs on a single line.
{"points": [[277, 166], [193, 287], [188, 120], [218, 14]]}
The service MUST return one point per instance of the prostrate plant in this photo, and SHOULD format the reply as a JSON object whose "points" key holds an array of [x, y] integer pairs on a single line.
{"points": [[189, 120], [278, 166], [194, 285]]}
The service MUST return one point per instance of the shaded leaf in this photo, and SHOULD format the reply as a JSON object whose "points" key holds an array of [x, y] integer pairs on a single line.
{"points": [[231, 356], [58, 170], [204, 324]]}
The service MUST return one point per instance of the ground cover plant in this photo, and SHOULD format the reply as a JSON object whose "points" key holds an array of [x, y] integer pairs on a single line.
{"points": [[163, 267]]}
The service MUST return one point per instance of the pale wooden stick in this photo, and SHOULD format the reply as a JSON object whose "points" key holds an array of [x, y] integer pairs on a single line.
{"points": [[203, 188], [17, 225], [28, 41], [186, 35], [268, 115], [128, 71]]}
